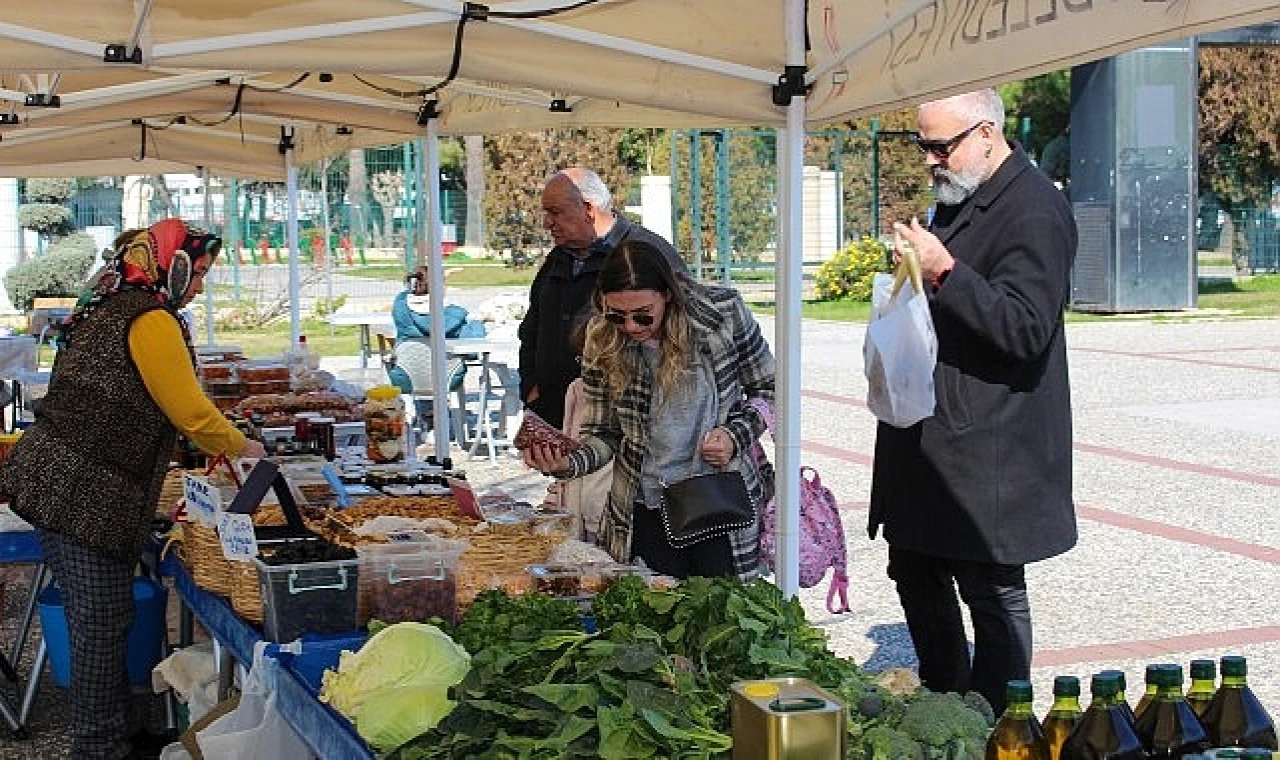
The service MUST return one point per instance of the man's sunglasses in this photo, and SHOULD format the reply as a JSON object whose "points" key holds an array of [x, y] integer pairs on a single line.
{"points": [[620, 318], [942, 149]]}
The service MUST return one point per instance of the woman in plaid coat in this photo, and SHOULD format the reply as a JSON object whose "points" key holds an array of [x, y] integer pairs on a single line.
{"points": [[668, 369]]}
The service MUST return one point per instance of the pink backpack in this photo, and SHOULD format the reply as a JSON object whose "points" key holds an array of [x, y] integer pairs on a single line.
{"points": [[822, 543]]}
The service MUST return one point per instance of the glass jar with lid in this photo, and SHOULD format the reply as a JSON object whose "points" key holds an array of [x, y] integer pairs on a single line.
{"points": [[384, 424]]}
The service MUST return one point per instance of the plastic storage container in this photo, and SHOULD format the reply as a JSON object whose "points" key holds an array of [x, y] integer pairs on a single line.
{"points": [[144, 640], [410, 580], [557, 580], [384, 424], [316, 597]]}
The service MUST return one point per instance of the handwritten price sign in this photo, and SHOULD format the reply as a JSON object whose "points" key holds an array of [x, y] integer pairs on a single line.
{"points": [[236, 533], [203, 500]]}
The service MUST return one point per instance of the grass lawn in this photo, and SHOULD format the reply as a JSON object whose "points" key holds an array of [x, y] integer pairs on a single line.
{"points": [[469, 274], [1250, 297]]}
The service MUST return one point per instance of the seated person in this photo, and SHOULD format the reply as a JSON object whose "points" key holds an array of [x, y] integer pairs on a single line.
{"points": [[410, 312]]}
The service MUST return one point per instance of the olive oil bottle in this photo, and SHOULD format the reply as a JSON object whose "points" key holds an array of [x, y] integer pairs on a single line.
{"points": [[1017, 735], [1120, 698], [1064, 715], [1103, 733], [1235, 717], [1150, 692], [1169, 727], [1201, 691]]}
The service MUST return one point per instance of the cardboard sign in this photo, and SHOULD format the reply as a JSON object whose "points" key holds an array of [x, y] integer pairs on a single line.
{"points": [[465, 497], [235, 530], [204, 502]]}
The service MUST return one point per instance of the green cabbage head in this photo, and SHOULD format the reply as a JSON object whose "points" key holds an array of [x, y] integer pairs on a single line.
{"points": [[396, 687]]}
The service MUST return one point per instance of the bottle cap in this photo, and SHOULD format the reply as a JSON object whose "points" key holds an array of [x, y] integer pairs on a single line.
{"points": [[1152, 670], [1204, 670], [1104, 684], [1234, 665], [760, 690], [1169, 676], [1119, 674], [1066, 686], [1017, 691], [382, 392]]}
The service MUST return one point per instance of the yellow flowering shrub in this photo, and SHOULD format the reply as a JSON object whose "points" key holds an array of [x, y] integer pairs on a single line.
{"points": [[848, 274]]}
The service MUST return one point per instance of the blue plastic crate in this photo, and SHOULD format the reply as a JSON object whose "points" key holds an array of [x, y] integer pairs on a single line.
{"points": [[319, 653]]}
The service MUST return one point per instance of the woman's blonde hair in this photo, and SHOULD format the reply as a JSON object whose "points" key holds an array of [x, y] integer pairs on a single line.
{"points": [[637, 265]]}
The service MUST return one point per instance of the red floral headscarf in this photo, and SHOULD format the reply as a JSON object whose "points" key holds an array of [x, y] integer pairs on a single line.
{"points": [[159, 260]]}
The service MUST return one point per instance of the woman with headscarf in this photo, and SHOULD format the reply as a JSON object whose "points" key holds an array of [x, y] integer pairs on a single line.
{"points": [[87, 474]]}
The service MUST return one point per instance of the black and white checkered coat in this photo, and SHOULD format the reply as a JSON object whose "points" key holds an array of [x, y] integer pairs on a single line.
{"points": [[727, 334]]}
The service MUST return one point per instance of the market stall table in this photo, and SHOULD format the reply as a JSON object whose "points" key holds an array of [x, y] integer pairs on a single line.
{"points": [[367, 322], [21, 547], [325, 732]]}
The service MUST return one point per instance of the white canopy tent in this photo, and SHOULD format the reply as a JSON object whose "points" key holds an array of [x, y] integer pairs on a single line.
{"points": [[614, 62]]}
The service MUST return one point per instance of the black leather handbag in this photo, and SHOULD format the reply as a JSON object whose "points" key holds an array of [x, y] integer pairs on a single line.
{"points": [[706, 506]]}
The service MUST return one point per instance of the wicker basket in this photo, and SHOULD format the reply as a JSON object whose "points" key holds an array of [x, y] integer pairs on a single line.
{"points": [[172, 492], [246, 593], [203, 550]]}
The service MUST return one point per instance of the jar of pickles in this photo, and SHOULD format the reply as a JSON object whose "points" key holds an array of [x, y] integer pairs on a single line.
{"points": [[384, 424]]}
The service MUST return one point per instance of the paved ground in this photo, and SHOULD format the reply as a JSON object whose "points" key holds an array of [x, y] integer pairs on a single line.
{"points": [[1177, 472]]}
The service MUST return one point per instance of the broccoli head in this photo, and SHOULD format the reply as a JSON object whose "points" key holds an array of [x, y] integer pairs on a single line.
{"points": [[945, 725], [885, 743], [978, 702]]}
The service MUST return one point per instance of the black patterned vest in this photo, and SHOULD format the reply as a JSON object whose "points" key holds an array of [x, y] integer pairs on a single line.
{"points": [[92, 465]]}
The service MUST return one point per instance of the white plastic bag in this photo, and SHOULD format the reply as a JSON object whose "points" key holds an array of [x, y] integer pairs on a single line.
{"points": [[901, 348], [255, 729]]}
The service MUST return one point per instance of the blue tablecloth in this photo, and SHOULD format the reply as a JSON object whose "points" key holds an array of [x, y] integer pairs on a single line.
{"points": [[20, 547], [327, 733]]}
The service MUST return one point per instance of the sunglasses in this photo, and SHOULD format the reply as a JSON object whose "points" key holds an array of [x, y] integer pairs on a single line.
{"points": [[942, 149], [620, 318], [202, 244]]}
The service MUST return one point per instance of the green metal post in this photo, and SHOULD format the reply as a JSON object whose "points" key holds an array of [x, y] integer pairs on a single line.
{"points": [[722, 203], [675, 192], [695, 199], [875, 178], [837, 168], [1026, 132], [233, 224], [410, 161]]}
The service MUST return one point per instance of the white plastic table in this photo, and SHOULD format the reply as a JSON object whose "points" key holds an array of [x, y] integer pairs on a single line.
{"points": [[368, 322]]}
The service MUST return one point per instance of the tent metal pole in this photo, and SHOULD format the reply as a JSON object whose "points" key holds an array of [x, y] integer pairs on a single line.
{"points": [[291, 236], [434, 251], [208, 226], [787, 325]]}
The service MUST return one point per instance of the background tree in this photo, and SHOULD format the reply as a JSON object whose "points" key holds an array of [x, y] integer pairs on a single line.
{"points": [[1045, 101], [474, 176], [1239, 150], [46, 212], [517, 167]]}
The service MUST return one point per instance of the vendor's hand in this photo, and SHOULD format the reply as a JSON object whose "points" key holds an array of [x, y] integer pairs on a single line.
{"points": [[934, 256], [718, 447], [545, 458], [253, 450]]}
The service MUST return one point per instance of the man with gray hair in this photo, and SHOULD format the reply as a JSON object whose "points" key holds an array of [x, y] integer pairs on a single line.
{"points": [[969, 496], [577, 210]]}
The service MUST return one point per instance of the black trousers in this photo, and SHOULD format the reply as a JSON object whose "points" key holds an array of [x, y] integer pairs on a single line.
{"points": [[97, 596], [996, 596], [707, 559]]}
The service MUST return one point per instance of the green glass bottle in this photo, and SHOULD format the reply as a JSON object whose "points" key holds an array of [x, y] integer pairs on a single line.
{"points": [[1017, 735], [1064, 715], [1120, 698], [1201, 691], [1103, 733], [1169, 727], [1150, 692], [1235, 717], [1255, 753]]}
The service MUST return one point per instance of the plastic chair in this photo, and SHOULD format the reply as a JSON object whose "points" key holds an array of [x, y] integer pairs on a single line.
{"points": [[413, 356]]}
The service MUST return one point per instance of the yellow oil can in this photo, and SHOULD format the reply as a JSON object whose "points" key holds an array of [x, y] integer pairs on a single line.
{"points": [[786, 719]]}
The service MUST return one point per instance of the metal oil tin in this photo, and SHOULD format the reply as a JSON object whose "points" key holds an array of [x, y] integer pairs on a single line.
{"points": [[786, 719]]}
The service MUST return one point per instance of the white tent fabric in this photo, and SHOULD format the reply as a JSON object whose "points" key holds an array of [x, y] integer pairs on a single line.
{"points": [[614, 62]]}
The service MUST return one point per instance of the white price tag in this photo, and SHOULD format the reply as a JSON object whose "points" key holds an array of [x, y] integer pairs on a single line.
{"points": [[236, 533], [204, 502]]}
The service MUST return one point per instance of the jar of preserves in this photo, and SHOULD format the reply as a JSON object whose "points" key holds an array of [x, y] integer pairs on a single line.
{"points": [[384, 424]]}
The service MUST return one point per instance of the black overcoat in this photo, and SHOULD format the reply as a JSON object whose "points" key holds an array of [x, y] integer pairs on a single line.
{"points": [[988, 476]]}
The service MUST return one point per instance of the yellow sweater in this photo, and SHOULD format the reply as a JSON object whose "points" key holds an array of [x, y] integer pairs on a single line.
{"points": [[157, 348]]}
